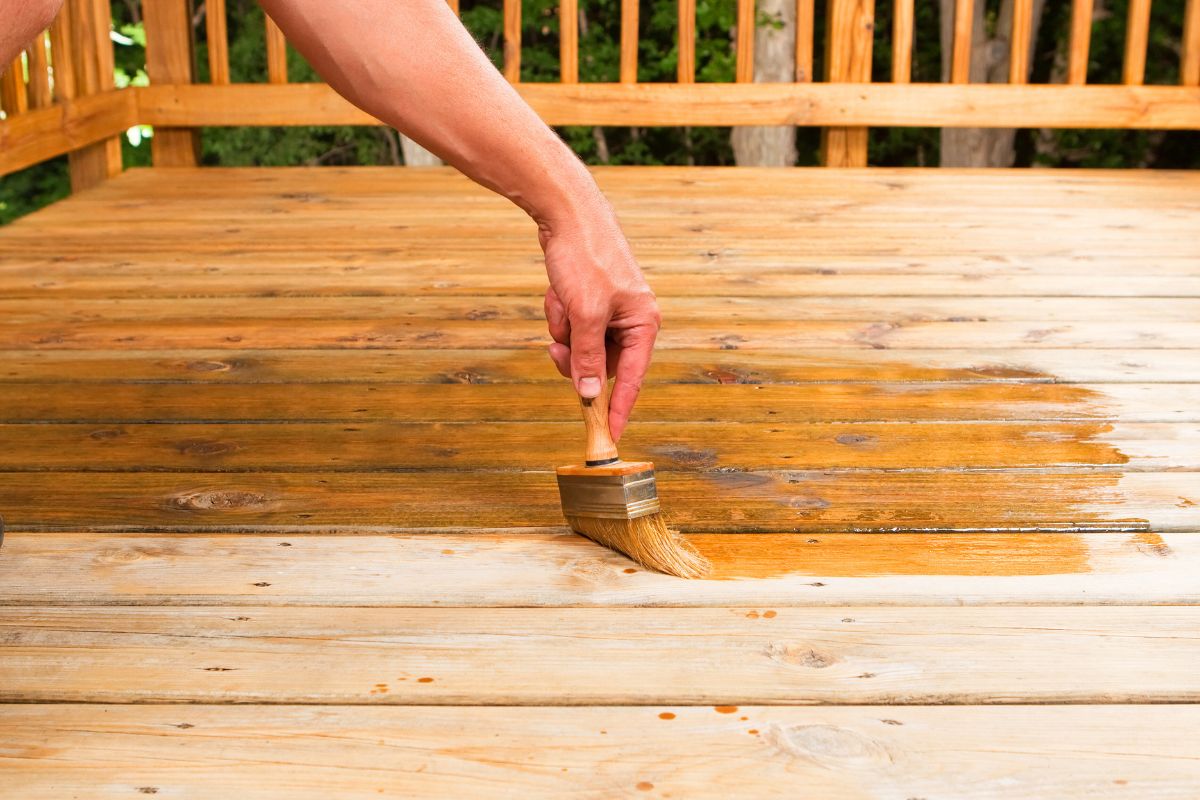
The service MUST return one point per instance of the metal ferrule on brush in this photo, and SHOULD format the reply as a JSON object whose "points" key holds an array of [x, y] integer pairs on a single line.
{"points": [[609, 496]]}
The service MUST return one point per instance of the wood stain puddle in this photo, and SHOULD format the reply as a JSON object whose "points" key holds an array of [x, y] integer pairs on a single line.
{"points": [[1028, 510]]}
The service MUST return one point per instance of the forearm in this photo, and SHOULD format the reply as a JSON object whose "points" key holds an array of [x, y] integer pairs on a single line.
{"points": [[411, 64]]}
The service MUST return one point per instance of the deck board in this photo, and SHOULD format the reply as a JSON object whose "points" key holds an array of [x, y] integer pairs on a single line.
{"points": [[840, 753], [280, 441]]}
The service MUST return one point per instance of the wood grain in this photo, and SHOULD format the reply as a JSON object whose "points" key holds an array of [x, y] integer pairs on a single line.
{"points": [[600, 656], [481, 568], [217, 41], [169, 62], [933, 105], [1137, 35], [629, 41], [840, 753], [1080, 40], [277, 68], [778, 501]]}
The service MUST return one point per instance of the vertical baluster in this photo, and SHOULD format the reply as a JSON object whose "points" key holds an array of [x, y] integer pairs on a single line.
{"points": [[568, 41], [91, 45], [804, 41], [850, 39], [277, 70], [169, 60], [512, 40], [39, 73], [64, 60], [1022, 31], [629, 41], [686, 68], [218, 42], [1137, 33], [1080, 42], [12, 89], [960, 57], [744, 46], [902, 42], [1189, 73]]}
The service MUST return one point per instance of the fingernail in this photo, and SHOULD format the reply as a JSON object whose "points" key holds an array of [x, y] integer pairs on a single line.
{"points": [[589, 387]]}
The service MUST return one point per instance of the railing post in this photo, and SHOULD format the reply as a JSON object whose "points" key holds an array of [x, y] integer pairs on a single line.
{"points": [[92, 68], [849, 38], [170, 59]]}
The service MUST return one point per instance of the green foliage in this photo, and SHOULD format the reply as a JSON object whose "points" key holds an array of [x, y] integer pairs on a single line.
{"points": [[658, 58]]}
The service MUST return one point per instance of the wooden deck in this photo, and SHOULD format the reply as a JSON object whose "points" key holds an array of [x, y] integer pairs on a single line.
{"points": [[276, 461]]}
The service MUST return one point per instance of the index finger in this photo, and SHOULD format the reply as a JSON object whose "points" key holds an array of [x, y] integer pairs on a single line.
{"points": [[632, 364]]}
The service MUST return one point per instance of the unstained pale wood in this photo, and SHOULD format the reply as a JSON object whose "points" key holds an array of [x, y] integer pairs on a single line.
{"points": [[840, 753], [480, 569]]}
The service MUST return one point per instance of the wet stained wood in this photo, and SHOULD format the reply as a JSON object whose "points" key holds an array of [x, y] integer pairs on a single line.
{"points": [[841, 753], [475, 569], [288, 441], [549, 402], [704, 446], [589, 656], [860, 500], [444, 367]]}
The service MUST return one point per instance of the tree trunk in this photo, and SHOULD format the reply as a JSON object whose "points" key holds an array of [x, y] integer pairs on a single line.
{"points": [[774, 62], [417, 156], [983, 147]]}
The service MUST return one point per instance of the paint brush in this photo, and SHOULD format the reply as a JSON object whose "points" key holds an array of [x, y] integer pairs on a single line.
{"points": [[615, 502]]}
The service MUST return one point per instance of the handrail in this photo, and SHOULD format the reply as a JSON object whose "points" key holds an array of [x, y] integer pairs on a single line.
{"points": [[83, 114]]}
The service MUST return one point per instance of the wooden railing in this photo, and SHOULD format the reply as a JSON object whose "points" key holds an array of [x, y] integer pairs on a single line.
{"points": [[83, 114]]}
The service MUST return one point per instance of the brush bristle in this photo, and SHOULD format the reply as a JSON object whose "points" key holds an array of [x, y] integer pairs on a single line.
{"points": [[648, 541]]}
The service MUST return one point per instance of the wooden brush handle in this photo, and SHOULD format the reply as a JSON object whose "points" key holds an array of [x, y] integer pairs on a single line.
{"points": [[600, 448]]}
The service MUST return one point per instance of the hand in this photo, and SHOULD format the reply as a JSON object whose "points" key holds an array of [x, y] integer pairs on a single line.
{"points": [[601, 313]]}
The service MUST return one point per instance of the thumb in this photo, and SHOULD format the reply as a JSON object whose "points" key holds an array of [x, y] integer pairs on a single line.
{"points": [[588, 355]]}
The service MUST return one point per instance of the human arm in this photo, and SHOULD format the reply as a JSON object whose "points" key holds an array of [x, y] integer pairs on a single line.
{"points": [[411, 64]]}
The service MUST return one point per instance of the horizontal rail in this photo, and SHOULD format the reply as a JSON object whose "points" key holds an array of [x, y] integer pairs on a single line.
{"points": [[806, 104], [44, 133]]}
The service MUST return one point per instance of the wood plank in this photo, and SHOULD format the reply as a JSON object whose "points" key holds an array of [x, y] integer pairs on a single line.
{"points": [[849, 38], [902, 41], [92, 164], [699, 446], [686, 42], [960, 58], [169, 62], [885, 104], [588, 656], [1020, 44], [63, 57], [456, 334], [629, 41], [44, 133], [547, 402], [277, 69], [1189, 69], [1080, 40], [783, 501], [446, 367], [39, 72], [552, 569], [13, 98], [743, 46], [512, 40], [1137, 34], [568, 41], [804, 40], [498, 310], [840, 753], [217, 41]]}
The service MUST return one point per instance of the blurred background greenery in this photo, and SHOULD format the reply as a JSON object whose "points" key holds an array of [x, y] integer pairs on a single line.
{"points": [[33, 188]]}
